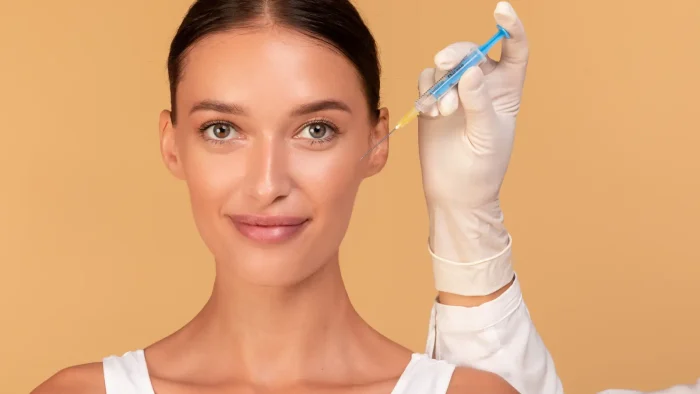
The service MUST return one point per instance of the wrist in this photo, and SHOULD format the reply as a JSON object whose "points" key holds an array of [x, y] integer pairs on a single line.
{"points": [[452, 299], [476, 278], [467, 235], [470, 250]]}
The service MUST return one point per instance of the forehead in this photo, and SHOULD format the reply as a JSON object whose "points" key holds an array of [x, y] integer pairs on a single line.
{"points": [[269, 67]]}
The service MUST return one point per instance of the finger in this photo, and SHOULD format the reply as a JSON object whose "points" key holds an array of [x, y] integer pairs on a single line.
{"points": [[515, 50], [448, 104], [446, 60], [481, 119], [425, 81], [450, 56]]}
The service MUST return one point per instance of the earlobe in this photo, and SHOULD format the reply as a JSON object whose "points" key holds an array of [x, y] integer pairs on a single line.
{"points": [[168, 148], [380, 154]]}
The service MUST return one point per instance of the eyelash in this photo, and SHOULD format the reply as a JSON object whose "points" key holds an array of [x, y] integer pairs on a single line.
{"points": [[333, 129], [203, 128]]}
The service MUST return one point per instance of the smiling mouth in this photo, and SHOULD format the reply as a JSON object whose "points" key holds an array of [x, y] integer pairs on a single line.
{"points": [[269, 229]]}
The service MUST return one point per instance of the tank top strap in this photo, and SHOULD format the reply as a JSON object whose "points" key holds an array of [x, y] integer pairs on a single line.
{"points": [[127, 374], [425, 375]]}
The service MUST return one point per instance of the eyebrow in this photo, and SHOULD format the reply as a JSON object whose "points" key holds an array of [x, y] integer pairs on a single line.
{"points": [[321, 105], [304, 109], [218, 106]]}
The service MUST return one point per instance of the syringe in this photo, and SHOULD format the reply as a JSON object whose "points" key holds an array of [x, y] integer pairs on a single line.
{"points": [[448, 81]]}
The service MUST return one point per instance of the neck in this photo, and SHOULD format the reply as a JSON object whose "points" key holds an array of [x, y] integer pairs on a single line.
{"points": [[275, 334]]}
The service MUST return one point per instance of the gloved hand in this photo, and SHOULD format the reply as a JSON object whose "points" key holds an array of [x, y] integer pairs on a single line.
{"points": [[465, 144]]}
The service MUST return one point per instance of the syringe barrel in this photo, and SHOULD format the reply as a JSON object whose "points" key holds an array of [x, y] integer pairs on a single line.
{"points": [[425, 102], [449, 80]]}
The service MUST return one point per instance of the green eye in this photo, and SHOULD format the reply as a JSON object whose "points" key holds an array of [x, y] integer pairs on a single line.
{"points": [[317, 131]]}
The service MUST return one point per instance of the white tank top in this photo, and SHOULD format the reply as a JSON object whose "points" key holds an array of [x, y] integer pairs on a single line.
{"points": [[128, 374]]}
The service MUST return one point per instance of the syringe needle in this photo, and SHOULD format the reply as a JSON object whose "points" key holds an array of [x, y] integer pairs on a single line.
{"points": [[412, 114], [380, 141]]}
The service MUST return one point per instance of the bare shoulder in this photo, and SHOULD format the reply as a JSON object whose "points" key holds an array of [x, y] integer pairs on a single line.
{"points": [[474, 381], [80, 379]]}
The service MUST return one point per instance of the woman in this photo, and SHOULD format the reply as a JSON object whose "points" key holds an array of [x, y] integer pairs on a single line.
{"points": [[272, 105]]}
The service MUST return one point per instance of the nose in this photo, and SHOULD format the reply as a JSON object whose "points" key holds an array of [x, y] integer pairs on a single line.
{"points": [[267, 177]]}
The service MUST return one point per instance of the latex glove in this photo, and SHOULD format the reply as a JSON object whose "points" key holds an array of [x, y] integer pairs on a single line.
{"points": [[465, 144]]}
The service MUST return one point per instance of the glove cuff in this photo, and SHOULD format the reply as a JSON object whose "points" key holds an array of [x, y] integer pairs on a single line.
{"points": [[477, 278]]}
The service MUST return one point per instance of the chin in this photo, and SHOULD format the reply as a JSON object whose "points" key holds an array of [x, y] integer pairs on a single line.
{"points": [[272, 252], [275, 268]]}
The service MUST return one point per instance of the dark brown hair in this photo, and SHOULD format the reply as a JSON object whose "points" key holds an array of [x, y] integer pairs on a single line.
{"points": [[334, 22]]}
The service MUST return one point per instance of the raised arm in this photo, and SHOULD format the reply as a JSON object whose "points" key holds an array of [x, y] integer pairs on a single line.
{"points": [[479, 319]]}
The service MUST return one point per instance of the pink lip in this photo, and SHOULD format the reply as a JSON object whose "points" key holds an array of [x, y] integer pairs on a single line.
{"points": [[269, 229]]}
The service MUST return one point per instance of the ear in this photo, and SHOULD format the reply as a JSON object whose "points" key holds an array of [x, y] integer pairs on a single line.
{"points": [[377, 158], [168, 147]]}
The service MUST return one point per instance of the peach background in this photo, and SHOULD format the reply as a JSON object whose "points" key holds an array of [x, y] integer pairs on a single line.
{"points": [[99, 255]]}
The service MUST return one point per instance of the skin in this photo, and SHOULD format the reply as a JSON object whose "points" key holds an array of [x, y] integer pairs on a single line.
{"points": [[279, 318]]}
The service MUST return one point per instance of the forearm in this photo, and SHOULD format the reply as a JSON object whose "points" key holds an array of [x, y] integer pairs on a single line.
{"points": [[467, 235], [479, 318]]}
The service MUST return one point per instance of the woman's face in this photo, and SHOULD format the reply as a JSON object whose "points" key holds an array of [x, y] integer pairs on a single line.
{"points": [[269, 133]]}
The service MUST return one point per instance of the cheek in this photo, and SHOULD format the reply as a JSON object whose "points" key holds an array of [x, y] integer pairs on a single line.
{"points": [[329, 179], [210, 177]]}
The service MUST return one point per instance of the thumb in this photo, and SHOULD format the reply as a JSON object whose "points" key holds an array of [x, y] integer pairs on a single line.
{"points": [[481, 119], [515, 50]]}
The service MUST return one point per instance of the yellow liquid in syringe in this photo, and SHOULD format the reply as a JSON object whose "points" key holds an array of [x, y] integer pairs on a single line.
{"points": [[408, 118]]}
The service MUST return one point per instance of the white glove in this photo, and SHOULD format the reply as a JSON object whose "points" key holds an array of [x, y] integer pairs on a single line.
{"points": [[465, 144]]}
